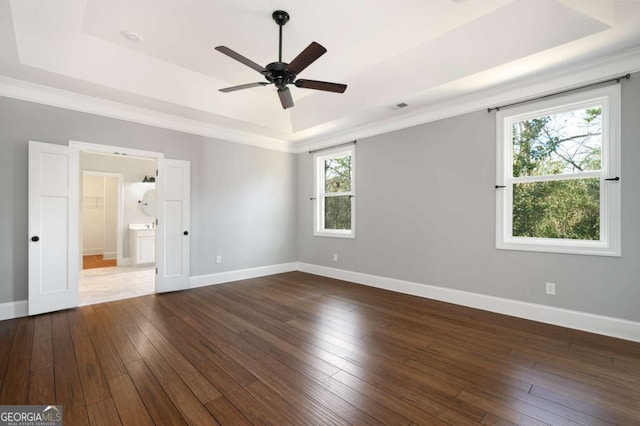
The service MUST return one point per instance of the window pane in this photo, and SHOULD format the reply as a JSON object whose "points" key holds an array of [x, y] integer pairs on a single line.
{"points": [[337, 174], [568, 209], [566, 142], [337, 212]]}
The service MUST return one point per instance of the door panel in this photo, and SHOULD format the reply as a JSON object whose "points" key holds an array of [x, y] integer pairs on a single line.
{"points": [[175, 237], [53, 244]]}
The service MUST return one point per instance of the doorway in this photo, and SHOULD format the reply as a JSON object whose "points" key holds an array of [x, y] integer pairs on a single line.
{"points": [[54, 222], [101, 218], [113, 195]]}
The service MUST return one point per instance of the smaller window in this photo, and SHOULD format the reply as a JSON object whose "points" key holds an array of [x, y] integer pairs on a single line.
{"points": [[335, 193]]}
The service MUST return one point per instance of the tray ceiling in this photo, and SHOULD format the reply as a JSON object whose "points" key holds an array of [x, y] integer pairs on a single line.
{"points": [[422, 52]]}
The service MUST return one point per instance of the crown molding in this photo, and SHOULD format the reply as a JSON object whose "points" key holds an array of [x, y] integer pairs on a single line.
{"points": [[627, 61], [566, 78], [31, 92]]}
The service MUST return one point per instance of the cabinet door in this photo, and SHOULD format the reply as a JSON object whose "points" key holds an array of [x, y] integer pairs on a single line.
{"points": [[146, 247]]}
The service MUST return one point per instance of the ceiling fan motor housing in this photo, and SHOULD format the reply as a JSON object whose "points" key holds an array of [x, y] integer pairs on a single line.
{"points": [[278, 74]]}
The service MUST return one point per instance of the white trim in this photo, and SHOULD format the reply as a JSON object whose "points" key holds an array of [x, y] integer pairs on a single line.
{"points": [[46, 95], [242, 274], [608, 326], [10, 310], [80, 146], [609, 67], [521, 89], [114, 150], [18, 309], [599, 324], [92, 251], [109, 255]]}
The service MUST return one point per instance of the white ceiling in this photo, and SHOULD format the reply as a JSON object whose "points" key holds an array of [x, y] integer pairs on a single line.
{"points": [[427, 53]]}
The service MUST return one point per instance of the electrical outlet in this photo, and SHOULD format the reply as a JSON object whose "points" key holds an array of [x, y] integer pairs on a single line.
{"points": [[550, 288], [335, 257], [218, 259]]}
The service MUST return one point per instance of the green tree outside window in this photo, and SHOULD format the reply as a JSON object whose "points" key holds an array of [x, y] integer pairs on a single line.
{"points": [[557, 145]]}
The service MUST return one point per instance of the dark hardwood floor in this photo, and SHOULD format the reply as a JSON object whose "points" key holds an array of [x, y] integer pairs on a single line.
{"points": [[300, 349], [96, 261]]}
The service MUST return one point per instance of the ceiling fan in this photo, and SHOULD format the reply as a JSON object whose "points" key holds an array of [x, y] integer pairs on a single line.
{"points": [[281, 73]]}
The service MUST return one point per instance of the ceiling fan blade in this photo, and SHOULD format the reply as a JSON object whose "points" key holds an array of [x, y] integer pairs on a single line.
{"points": [[285, 98], [238, 57], [243, 86], [321, 85], [306, 57]]}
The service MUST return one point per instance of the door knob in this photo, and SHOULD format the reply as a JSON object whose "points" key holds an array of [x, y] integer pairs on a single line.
{"points": [[186, 232], [35, 238]]}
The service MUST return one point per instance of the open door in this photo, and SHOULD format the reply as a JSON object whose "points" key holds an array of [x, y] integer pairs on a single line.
{"points": [[53, 227], [172, 210]]}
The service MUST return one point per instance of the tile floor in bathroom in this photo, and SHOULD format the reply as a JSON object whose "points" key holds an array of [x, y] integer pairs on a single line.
{"points": [[114, 283]]}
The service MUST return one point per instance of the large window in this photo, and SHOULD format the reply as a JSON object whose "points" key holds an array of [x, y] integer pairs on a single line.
{"points": [[558, 177], [335, 193]]}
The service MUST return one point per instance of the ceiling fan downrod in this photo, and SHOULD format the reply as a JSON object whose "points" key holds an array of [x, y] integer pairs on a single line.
{"points": [[281, 17]]}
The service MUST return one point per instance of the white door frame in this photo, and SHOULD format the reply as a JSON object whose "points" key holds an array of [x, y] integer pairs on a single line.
{"points": [[119, 209], [121, 152], [113, 150]]}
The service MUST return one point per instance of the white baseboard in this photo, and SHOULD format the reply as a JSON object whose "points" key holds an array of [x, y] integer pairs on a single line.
{"points": [[18, 309], [124, 261], [92, 251], [242, 274], [608, 326], [109, 255], [11, 310]]}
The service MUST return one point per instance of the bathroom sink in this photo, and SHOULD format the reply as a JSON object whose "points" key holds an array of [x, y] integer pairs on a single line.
{"points": [[140, 226]]}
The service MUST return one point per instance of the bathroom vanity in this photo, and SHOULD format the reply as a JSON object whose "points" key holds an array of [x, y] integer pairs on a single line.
{"points": [[142, 244]]}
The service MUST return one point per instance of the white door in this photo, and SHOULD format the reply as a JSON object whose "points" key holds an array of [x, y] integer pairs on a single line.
{"points": [[53, 227], [172, 210]]}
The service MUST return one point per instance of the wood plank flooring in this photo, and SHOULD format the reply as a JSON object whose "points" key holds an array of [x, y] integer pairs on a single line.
{"points": [[300, 349], [96, 261]]}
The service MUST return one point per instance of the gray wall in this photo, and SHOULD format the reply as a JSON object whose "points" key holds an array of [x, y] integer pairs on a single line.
{"points": [[242, 197], [425, 209]]}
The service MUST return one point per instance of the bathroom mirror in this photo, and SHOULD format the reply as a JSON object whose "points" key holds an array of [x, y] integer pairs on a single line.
{"points": [[149, 202]]}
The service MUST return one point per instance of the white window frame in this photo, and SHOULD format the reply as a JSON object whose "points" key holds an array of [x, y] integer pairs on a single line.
{"points": [[610, 215], [319, 195]]}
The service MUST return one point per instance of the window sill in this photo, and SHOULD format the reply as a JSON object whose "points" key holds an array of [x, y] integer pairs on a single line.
{"points": [[335, 234], [562, 246]]}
